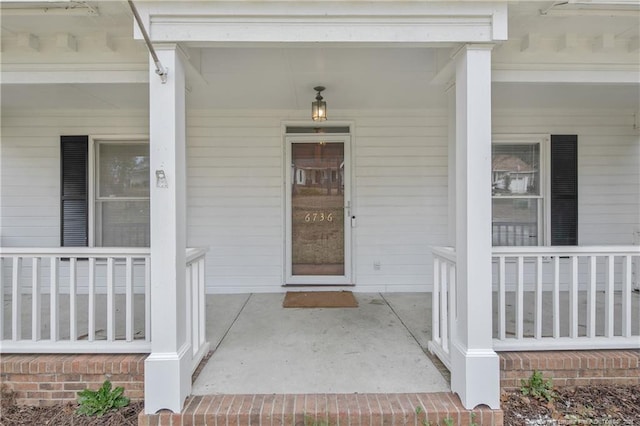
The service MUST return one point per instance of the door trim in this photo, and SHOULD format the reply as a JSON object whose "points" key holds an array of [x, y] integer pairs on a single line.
{"points": [[320, 280]]}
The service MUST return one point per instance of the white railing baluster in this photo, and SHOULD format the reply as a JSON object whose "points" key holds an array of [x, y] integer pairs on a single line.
{"points": [[452, 299], [73, 318], [36, 324], [53, 299], [609, 298], [556, 297], [202, 300], [129, 299], [195, 320], [573, 298], [147, 299], [111, 314], [538, 315], [2, 309], [16, 299], [91, 297], [520, 299], [435, 301], [502, 299], [444, 308], [189, 300], [626, 297], [591, 298]]}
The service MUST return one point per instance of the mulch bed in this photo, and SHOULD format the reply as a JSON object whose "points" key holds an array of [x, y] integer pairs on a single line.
{"points": [[584, 405], [587, 405], [62, 415]]}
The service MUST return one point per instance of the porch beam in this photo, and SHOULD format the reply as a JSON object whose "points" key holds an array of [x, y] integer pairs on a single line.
{"points": [[475, 373], [564, 74], [168, 368], [345, 22]]}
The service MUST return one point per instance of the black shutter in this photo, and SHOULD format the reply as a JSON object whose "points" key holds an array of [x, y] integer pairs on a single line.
{"points": [[74, 195], [564, 190]]}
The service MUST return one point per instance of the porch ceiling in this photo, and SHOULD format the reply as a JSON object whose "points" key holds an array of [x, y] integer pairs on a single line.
{"points": [[262, 92]]}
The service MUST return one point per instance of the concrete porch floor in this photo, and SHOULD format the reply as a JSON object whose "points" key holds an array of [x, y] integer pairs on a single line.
{"points": [[261, 347]]}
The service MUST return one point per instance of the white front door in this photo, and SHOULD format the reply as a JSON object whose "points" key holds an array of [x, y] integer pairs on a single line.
{"points": [[318, 210]]}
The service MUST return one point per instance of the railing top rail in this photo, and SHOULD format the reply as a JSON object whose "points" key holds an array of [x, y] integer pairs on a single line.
{"points": [[565, 250], [194, 253], [448, 253], [74, 251]]}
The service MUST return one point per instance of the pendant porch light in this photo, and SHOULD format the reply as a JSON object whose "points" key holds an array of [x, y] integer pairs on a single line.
{"points": [[319, 107]]}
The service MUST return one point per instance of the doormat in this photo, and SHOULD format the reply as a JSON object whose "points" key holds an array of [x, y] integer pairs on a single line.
{"points": [[319, 299]]}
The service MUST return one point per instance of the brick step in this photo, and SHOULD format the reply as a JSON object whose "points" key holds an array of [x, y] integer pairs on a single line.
{"points": [[419, 409]]}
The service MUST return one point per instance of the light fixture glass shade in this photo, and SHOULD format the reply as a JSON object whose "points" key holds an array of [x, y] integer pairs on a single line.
{"points": [[319, 107]]}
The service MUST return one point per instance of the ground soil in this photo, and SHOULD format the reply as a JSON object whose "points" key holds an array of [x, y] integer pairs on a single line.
{"points": [[594, 405], [585, 405]]}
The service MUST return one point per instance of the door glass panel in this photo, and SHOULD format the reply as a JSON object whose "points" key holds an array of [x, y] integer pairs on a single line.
{"points": [[317, 209]]}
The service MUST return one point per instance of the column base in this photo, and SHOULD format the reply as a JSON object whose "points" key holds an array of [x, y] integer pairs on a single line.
{"points": [[167, 380], [475, 376]]}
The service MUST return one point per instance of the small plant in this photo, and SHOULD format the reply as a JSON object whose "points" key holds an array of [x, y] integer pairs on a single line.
{"points": [[310, 421], [538, 387], [448, 421], [100, 402], [473, 420]]}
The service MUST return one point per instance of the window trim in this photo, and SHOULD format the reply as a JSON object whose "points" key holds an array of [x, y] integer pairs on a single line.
{"points": [[544, 213], [93, 158]]}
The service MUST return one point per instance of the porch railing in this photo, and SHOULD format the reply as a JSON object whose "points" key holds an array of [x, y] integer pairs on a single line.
{"points": [[566, 298], [74, 300], [442, 302], [89, 300], [549, 298], [196, 304]]}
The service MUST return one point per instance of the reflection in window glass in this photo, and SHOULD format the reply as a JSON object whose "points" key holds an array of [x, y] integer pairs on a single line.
{"points": [[122, 198], [515, 169], [516, 191], [515, 222], [123, 170]]}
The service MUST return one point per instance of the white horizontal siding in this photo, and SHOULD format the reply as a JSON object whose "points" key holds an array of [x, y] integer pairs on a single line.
{"points": [[235, 199], [401, 198], [30, 167], [236, 193], [608, 166]]}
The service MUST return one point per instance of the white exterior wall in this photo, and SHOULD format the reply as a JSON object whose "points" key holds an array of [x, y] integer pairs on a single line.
{"points": [[30, 167], [608, 166], [236, 195]]}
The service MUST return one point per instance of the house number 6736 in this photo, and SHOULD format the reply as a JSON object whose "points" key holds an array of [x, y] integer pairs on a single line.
{"points": [[318, 217]]}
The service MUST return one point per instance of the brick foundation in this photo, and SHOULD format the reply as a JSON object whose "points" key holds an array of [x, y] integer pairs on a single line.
{"points": [[320, 409], [42, 380], [571, 368]]}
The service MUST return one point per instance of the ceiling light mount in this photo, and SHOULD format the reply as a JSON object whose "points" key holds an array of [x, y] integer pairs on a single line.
{"points": [[319, 107]]}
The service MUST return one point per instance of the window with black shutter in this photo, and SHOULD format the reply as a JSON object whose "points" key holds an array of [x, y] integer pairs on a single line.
{"points": [[526, 190], [564, 190], [74, 197]]}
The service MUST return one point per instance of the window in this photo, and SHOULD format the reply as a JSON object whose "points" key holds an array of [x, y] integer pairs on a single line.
{"points": [[534, 191], [105, 192]]}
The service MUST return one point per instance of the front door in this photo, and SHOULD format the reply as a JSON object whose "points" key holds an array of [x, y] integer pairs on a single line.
{"points": [[318, 214]]}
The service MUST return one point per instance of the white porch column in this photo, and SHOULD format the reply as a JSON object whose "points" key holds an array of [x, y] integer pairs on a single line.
{"points": [[475, 374], [167, 381]]}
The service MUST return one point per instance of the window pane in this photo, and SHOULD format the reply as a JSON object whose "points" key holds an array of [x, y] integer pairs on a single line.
{"points": [[123, 170], [515, 169], [515, 222], [125, 223]]}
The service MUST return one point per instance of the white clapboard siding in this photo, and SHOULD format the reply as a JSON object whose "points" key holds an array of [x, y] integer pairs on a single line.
{"points": [[235, 194], [608, 166], [30, 166]]}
